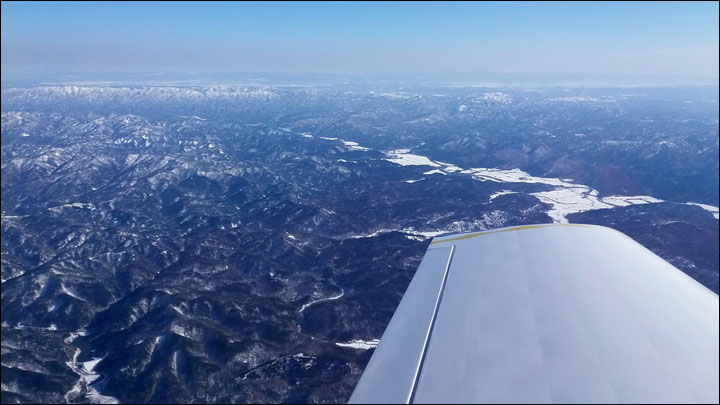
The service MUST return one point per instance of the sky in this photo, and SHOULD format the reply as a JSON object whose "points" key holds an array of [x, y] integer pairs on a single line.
{"points": [[657, 39]]}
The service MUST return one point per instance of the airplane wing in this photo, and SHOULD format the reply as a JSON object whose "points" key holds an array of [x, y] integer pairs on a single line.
{"points": [[547, 314]]}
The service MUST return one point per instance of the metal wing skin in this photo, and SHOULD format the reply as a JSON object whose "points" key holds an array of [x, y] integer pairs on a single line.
{"points": [[563, 313]]}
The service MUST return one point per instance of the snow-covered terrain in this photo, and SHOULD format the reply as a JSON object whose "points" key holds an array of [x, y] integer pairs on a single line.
{"points": [[499, 193], [715, 211], [317, 301], [222, 244], [400, 157], [360, 344], [567, 197], [87, 375], [157, 93], [498, 97], [354, 146]]}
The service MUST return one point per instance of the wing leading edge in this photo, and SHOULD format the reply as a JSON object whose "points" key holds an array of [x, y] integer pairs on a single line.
{"points": [[547, 313]]}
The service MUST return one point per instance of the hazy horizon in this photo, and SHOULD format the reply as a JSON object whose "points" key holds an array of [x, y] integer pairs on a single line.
{"points": [[644, 43]]}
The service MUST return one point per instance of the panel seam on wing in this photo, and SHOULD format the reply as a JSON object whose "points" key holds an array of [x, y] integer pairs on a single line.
{"points": [[426, 344]]}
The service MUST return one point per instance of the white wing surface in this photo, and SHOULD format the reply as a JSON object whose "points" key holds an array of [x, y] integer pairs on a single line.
{"points": [[547, 314]]}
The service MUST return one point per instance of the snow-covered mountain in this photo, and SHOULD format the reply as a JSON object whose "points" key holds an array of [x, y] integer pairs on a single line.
{"points": [[249, 244]]}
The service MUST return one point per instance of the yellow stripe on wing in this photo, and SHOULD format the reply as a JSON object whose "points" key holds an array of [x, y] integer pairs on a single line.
{"points": [[517, 228]]}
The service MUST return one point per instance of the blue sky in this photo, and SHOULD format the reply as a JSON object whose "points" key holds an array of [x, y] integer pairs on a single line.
{"points": [[649, 38]]}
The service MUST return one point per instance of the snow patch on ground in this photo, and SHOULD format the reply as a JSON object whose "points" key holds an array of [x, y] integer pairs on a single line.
{"points": [[566, 201], [20, 326], [354, 146], [409, 159], [70, 293], [372, 235], [131, 158], [512, 176], [194, 117], [503, 192], [577, 99], [360, 344], [313, 302], [450, 168], [87, 375], [425, 234], [306, 306], [393, 95], [620, 201], [73, 336], [498, 97], [714, 210], [89, 206], [409, 232]]}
